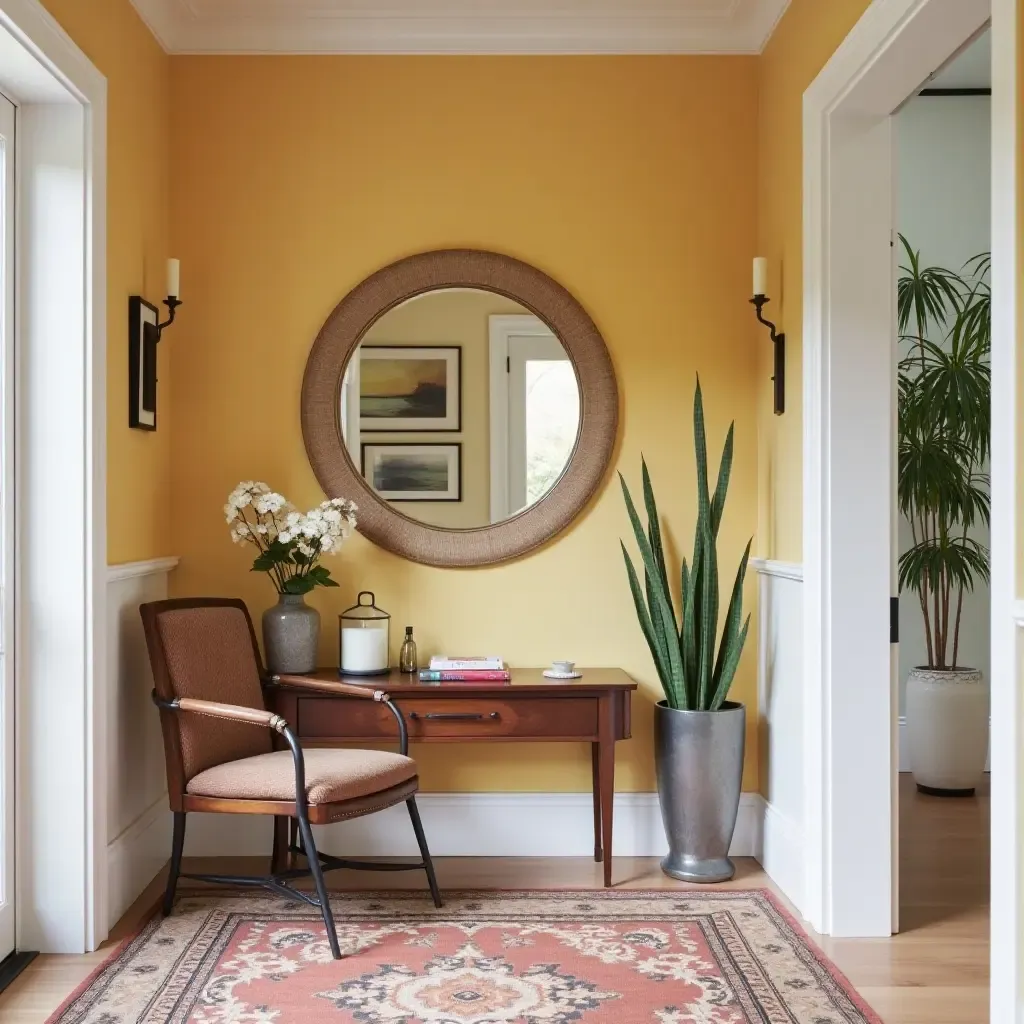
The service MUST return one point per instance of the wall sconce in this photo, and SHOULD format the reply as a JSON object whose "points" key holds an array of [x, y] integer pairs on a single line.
{"points": [[778, 340], [144, 332]]}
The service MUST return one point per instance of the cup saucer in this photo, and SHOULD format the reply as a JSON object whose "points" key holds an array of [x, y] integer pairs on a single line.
{"points": [[550, 673]]}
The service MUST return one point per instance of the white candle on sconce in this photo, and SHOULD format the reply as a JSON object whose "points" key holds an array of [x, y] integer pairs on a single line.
{"points": [[174, 278], [760, 275]]}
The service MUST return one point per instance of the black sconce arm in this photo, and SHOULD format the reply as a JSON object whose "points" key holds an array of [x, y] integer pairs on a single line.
{"points": [[172, 302], [779, 341]]}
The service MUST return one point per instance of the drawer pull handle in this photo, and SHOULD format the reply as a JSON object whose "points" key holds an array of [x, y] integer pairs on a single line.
{"points": [[455, 717]]}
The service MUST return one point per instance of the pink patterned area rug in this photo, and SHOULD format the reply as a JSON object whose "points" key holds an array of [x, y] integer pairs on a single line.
{"points": [[593, 957]]}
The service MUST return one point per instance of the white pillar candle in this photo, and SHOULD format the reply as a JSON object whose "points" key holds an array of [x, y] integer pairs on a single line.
{"points": [[174, 278], [760, 275], [364, 650]]}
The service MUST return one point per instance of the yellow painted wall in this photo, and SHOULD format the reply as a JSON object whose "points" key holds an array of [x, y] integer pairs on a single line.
{"points": [[452, 318], [805, 38], [138, 81], [630, 180]]}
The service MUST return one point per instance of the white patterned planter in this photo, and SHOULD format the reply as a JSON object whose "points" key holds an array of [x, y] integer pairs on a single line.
{"points": [[947, 729]]}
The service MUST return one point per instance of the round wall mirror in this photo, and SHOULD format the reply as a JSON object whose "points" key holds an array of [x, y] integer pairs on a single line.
{"points": [[465, 401]]}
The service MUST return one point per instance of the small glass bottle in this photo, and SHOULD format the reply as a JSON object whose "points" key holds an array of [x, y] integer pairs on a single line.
{"points": [[407, 656]]}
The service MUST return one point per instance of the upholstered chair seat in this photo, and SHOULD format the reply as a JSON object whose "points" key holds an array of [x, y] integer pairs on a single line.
{"points": [[331, 775]]}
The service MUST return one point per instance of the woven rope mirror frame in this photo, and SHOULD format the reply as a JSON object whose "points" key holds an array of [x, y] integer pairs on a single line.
{"points": [[460, 268]]}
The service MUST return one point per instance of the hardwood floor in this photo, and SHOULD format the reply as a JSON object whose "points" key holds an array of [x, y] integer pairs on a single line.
{"points": [[934, 972]]}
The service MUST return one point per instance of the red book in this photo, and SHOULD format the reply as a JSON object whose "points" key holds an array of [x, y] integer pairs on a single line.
{"points": [[466, 676]]}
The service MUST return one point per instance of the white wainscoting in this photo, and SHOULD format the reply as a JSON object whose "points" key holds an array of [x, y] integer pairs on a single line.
{"points": [[479, 825], [780, 703], [138, 821]]}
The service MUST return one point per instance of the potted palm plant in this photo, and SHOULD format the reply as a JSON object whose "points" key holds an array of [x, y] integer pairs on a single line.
{"points": [[698, 733], [943, 439]]}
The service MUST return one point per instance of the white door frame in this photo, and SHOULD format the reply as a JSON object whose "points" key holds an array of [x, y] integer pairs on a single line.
{"points": [[1006, 732], [60, 488], [849, 739], [8, 220]]}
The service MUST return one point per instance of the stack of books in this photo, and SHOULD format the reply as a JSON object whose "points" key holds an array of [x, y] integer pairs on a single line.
{"points": [[465, 670]]}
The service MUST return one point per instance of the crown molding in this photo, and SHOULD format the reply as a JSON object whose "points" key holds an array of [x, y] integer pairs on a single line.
{"points": [[459, 27], [162, 18]]}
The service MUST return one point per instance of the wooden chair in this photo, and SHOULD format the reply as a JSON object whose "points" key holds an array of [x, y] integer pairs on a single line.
{"points": [[218, 745]]}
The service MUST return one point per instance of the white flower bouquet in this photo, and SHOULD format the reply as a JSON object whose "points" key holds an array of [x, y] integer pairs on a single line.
{"points": [[290, 544]]}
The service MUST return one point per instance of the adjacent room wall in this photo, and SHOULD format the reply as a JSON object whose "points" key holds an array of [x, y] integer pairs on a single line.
{"points": [[630, 180], [137, 70], [943, 207]]}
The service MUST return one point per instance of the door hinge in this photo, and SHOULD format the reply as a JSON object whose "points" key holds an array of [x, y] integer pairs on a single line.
{"points": [[894, 620], [508, 364]]}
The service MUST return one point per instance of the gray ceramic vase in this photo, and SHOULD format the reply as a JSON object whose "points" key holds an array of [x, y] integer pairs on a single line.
{"points": [[699, 760], [291, 635]]}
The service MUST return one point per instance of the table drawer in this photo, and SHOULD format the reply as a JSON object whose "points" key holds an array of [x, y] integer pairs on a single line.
{"points": [[451, 718]]}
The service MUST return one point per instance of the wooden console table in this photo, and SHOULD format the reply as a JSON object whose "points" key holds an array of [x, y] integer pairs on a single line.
{"points": [[530, 709]]}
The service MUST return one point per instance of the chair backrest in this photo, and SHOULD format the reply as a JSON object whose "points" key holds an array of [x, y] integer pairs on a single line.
{"points": [[204, 648]]}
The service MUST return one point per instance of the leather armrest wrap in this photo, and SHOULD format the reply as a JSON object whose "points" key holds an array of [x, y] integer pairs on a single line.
{"points": [[233, 713]]}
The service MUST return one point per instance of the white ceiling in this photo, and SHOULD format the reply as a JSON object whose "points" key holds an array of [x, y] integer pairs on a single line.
{"points": [[462, 26], [971, 68]]}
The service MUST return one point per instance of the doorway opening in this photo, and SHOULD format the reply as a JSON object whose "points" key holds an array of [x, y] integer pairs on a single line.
{"points": [[534, 412], [57, 636], [942, 143]]}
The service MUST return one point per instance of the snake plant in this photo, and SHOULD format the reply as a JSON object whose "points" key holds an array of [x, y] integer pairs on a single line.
{"points": [[693, 675]]}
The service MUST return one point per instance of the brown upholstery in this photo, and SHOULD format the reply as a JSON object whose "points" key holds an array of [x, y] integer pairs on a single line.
{"points": [[209, 655], [331, 775]]}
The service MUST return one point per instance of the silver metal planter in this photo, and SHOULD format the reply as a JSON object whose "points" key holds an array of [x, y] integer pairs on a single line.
{"points": [[699, 760]]}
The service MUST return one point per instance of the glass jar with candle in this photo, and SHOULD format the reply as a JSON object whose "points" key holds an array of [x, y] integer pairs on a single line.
{"points": [[364, 638]]}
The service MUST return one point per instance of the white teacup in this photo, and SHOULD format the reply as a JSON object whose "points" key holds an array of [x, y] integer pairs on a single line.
{"points": [[563, 668]]}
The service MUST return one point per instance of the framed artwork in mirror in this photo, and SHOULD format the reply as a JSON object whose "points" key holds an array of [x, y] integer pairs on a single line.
{"points": [[403, 388], [414, 471], [143, 318]]}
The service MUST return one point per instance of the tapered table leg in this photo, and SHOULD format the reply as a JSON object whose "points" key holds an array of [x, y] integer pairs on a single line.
{"points": [[595, 763], [606, 769], [607, 759]]}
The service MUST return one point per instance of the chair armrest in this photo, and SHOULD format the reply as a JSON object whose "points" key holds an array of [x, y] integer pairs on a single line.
{"points": [[230, 712], [251, 716], [336, 687]]}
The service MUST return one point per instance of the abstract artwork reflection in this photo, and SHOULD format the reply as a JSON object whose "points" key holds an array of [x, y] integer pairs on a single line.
{"points": [[414, 472]]}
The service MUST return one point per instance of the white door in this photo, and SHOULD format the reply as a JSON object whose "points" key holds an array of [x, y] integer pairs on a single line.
{"points": [[534, 414], [6, 528], [543, 416]]}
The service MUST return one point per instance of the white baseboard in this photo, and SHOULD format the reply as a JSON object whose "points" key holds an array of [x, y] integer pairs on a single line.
{"points": [[782, 853], [479, 825], [904, 748], [135, 857]]}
